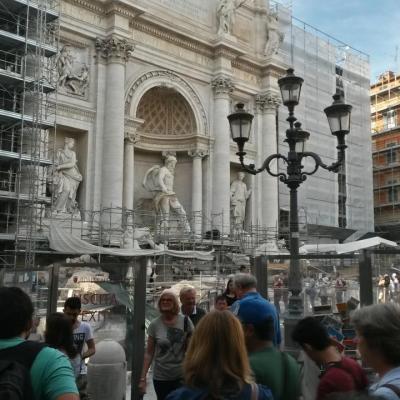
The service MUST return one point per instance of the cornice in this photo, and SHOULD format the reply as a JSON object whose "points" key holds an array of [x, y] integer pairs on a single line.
{"points": [[173, 37], [70, 111], [109, 7], [173, 142]]}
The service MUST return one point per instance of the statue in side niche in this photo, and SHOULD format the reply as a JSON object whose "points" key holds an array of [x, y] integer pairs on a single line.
{"points": [[66, 178], [239, 196], [274, 35], [226, 10]]}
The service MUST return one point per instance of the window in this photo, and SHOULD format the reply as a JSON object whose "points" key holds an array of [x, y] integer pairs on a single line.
{"points": [[391, 156], [392, 194], [389, 119]]}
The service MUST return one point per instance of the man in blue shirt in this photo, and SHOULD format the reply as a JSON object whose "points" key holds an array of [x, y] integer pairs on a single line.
{"points": [[245, 308], [50, 370]]}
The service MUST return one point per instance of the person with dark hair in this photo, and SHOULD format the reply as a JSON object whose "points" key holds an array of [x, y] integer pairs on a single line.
{"points": [[229, 293], [221, 303], [271, 367], [378, 342], [58, 334], [246, 292], [50, 374], [82, 334], [340, 374]]}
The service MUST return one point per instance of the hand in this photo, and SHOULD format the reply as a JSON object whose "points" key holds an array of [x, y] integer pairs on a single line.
{"points": [[142, 386]]}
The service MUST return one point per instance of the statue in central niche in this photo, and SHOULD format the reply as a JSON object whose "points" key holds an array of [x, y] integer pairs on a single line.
{"points": [[160, 182]]}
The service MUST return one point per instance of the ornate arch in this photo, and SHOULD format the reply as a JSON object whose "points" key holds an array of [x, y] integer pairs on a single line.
{"points": [[166, 78]]}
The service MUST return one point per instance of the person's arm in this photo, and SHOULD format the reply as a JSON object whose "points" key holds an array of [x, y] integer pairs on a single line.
{"points": [[161, 177], [148, 358], [91, 349]]}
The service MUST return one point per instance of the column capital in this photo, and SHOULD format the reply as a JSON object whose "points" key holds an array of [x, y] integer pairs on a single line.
{"points": [[197, 153], [131, 138], [113, 48], [267, 101], [222, 84]]}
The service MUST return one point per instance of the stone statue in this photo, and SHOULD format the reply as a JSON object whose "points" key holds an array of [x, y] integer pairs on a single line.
{"points": [[226, 10], [66, 179], [75, 83], [239, 196], [274, 35], [160, 181]]}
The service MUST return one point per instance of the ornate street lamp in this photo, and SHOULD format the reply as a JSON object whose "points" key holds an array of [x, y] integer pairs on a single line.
{"points": [[338, 115]]}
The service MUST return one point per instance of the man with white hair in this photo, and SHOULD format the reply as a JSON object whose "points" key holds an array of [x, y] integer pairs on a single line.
{"points": [[249, 300], [187, 296]]}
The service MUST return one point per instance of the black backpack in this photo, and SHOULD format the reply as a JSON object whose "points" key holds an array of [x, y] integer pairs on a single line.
{"points": [[15, 365]]}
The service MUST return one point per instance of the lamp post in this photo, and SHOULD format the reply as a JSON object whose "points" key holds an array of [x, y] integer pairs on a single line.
{"points": [[338, 115]]}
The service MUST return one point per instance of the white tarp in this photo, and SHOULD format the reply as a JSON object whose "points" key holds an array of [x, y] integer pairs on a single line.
{"points": [[62, 241], [342, 248]]}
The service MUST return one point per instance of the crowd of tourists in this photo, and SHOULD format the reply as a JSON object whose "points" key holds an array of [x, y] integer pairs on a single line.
{"points": [[33, 367], [233, 352]]}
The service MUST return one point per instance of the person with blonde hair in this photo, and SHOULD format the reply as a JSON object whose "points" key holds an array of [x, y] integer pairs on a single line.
{"points": [[166, 344], [216, 365]]}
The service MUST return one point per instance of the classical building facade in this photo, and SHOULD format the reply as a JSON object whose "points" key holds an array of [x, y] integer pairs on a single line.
{"points": [[145, 83], [149, 78]]}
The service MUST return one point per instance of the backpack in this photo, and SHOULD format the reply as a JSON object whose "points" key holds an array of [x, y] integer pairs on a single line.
{"points": [[15, 365]]}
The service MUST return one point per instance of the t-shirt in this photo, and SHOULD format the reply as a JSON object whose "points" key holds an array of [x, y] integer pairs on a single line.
{"points": [[169, 347], [186, 393], [51, 372], [277, 371], [391, 377], [343, 376], [82, 333]]}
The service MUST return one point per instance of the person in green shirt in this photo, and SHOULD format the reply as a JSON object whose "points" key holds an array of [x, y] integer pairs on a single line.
{"points": [[50, 371], [271, 367]]}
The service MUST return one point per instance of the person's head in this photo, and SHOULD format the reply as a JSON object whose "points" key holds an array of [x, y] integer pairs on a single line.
{"points": [[258, 323], [230, 287], [221, 303], [378, 333], [313, 338], [187, 296], [240, 176], [59, 334], [16, 311], [168, 302], [244, 269], [72, 308], [217, 357], [244, 283]]}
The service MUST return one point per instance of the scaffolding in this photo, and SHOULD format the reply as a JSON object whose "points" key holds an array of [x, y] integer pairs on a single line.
{"points": [[385, 126], [28, 80]]}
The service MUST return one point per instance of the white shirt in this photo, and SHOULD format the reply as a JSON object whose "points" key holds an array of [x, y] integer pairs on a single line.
{"points": [[82, 333]]}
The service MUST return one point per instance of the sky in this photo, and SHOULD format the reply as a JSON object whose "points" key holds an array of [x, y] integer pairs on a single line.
{"points": [[372, 26]]}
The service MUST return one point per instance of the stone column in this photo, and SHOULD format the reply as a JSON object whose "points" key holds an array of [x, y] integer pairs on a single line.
{"points": [[268, 104], [129, 170], [222, 86], [197, 189], [116, 52]]}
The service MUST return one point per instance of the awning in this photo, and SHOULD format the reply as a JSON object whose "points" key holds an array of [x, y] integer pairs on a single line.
{"points": [[63, 242], [343, 248]]}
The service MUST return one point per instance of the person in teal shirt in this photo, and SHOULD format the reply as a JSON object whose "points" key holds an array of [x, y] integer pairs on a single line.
{"points": [[271, 367], [51, 372]]}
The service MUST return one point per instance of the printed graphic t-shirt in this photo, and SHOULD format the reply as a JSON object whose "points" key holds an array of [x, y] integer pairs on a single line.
{"points": [[169, 347], [82, 333]]}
